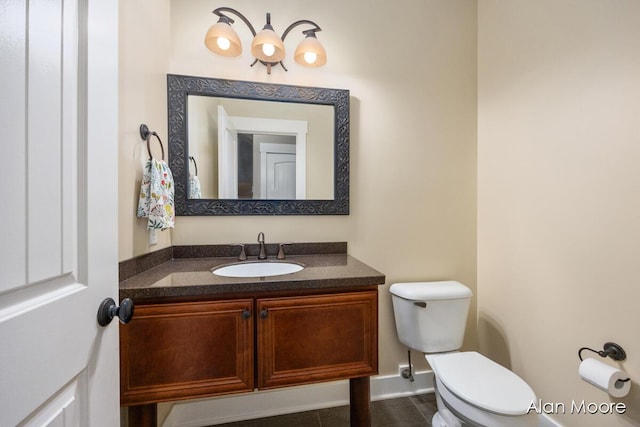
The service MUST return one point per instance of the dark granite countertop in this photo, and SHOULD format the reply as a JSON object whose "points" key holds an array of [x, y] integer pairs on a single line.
{"points": [[192, 277]]}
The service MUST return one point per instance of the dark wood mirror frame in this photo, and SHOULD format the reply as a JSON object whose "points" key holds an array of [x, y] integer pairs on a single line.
{"points": [[179, 87]]}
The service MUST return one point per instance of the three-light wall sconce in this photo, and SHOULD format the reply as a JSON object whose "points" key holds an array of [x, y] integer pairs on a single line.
{"points": [[267, 47]]}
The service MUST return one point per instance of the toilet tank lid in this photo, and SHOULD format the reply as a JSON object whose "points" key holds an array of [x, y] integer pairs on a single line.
{"points": [[427, 291]]}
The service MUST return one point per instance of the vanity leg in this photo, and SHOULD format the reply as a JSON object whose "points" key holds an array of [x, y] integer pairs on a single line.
{"points": [[143, 415], [359, 402]]}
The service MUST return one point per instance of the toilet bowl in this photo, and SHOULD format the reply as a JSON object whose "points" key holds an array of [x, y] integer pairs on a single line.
{"points": [[479, 391], [470, 388]]}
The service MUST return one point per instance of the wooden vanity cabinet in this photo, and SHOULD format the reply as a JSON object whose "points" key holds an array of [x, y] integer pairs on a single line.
{"points": [[177, 351], [316, 338], [186, 350]]}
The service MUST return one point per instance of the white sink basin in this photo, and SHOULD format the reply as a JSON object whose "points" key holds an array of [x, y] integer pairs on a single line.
{"points": [[257, 269]]}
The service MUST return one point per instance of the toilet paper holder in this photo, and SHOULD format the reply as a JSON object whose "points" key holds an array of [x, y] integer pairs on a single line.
{"points": [[602, 377], [610, 349]]}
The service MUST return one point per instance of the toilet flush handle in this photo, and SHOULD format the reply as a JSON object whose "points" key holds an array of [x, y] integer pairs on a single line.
{"points": [[422, 304]]}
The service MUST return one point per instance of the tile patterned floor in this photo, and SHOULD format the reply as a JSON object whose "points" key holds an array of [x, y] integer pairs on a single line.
{"points": [[410, 411]]}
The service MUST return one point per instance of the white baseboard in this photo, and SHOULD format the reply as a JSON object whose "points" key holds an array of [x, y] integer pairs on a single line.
{"points": [[198, 413], [259, 404]]}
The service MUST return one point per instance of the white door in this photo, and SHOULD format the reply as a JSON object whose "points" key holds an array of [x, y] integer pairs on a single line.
{"points": [[275, 135], [278, 170], [227, 156], [281, 176], [58, 257]]}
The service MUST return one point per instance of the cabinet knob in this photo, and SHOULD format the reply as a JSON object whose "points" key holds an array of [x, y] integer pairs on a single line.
{"points": [[264, 313], [246, 313]]}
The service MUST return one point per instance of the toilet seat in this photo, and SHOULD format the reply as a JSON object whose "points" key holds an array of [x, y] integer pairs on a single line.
{"points": [[478, 381]]}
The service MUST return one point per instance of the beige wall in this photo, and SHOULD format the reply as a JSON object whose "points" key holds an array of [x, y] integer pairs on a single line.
{"points": [[413, 131], [413, 134], [144, 49], [558, 191]]}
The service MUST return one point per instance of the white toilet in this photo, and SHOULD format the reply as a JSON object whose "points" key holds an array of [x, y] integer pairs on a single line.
{"points": [[470, 388]]}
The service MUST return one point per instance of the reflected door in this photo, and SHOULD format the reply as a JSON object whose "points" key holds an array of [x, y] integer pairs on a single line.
{"points": [[227, 156], [281, 176], [278, 172]]}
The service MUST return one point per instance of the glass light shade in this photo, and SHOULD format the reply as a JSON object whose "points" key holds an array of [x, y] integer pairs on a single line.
{"points": [[267, 37], [310, 53], [220, 35]]}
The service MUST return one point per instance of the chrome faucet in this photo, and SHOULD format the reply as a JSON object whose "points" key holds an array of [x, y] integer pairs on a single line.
{"points": [[262, 254], [281, 254], [243, 254]]}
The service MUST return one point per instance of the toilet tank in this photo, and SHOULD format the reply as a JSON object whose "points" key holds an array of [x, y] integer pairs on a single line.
{"points": [[431, 316]]}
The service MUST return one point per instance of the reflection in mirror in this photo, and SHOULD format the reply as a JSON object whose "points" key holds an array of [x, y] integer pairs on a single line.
{"points": [[249, 149], [260, 148]]}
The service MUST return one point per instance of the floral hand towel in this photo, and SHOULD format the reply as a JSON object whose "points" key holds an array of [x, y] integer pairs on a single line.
{"points": [[156, 196], [194, 187]]}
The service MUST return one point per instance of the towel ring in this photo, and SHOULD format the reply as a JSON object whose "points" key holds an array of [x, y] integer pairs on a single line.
{"points": [[149, 146], [195, 165], [146, 134]]}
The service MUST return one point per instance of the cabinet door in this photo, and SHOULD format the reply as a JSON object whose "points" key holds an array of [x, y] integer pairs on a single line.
{"points": [[186, 350], [317, 338]]}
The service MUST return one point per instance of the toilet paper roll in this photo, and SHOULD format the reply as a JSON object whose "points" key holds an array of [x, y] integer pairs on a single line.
{"points": [[605, 377]]}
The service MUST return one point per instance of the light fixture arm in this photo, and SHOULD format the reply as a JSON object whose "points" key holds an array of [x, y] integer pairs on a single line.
{"points": [[300, 22], [219, 12]]}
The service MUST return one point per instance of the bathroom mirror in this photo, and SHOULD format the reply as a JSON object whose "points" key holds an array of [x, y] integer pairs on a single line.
{"points": [[257, 148]]}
